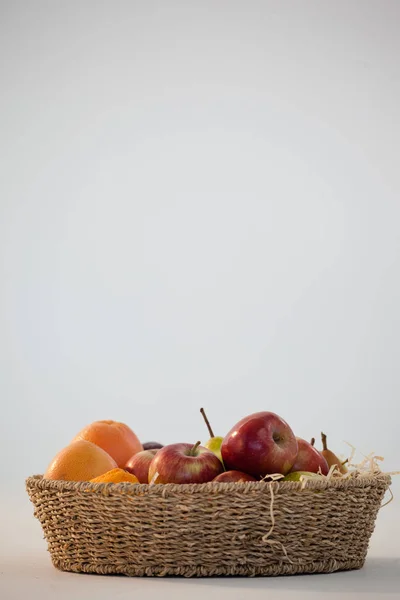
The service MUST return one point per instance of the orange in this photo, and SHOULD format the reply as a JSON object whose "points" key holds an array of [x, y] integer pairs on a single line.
{"points": [[115, 476], [80, 461], [117, 439]]}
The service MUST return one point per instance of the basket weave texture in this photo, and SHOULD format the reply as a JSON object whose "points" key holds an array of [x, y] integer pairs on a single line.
{"points": [[209, 529]]}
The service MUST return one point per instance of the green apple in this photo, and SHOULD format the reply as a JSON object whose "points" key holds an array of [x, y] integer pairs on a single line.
{"points": [[214, 444], [296, 476], [215, 441]]}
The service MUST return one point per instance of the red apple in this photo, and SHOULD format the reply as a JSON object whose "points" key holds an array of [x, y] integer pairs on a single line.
{"points": [[260, 444], [309, 459], [139, 464], [234, 476], [184, 463]]}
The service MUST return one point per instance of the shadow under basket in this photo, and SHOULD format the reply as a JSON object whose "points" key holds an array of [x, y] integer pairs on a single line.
{"points": [[248, 529]]}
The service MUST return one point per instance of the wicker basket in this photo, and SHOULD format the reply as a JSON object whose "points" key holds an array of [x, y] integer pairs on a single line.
{"points": [[209, 529]]}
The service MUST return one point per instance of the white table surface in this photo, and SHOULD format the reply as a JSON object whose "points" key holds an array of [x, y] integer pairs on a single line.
{"points": [[26, 569]]}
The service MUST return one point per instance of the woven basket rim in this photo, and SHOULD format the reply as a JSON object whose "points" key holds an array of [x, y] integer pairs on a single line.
{"points": [[138, 489]]}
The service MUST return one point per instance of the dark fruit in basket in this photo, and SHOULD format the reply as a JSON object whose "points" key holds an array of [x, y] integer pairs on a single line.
{"points": [[152, 446]]}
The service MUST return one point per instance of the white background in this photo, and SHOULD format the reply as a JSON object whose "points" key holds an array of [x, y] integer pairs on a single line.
{"points": [[199, 206]]}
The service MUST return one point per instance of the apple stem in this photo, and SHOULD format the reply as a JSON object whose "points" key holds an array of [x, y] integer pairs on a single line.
{"points": [[345, 462], [324, 444], [192, 451], [312, 441], [210, 431]]}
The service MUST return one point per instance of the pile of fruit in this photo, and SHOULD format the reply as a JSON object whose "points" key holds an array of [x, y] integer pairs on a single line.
{"points": [[260, 446]]}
